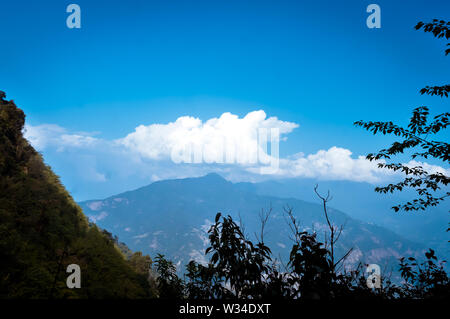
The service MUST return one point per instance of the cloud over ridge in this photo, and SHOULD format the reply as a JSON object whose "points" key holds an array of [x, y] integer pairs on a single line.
{"points": [[147, 152]]}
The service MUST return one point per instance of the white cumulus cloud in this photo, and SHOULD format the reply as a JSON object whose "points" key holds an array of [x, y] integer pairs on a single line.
{"points": [[147, 153], [332, 164], [225, 139]]}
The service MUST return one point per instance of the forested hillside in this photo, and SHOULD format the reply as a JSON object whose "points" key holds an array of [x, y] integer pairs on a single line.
{"points": [[42, 230]]}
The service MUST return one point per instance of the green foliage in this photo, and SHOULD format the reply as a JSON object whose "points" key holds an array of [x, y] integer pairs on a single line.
{"points": [[311, 267], [436, 90], [169, 285], [203, 282], [439, 28], [236, 259], [42, 230], [141, 264], [425, 280], [417, 137], [237, 268]]}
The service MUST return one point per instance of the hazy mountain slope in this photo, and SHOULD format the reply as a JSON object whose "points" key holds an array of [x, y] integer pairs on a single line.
{"points": [[172, 217], [42, 230], [360, 201]]}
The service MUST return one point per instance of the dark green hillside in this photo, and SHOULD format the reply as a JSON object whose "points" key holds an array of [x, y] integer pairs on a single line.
{"points": [[42, 230]]}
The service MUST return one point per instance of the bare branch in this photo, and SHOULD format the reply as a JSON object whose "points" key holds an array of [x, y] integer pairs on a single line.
{"points": [[292, 222], [263, 217]]}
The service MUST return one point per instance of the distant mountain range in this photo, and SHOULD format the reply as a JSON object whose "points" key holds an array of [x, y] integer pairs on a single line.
{"points": [[359, 200], [172, 217]]}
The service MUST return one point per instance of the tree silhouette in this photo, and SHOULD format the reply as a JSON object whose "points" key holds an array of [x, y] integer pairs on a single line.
{"points": [[439, 28], [169, 285], [239, 268], [417, 137]]}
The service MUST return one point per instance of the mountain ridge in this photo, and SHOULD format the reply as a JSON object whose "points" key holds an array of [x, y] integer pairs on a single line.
{"points": [[172, 217]]}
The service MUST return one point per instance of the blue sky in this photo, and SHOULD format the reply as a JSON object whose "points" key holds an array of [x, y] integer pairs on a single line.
{"points": [[135, 63]]}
